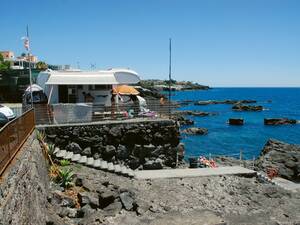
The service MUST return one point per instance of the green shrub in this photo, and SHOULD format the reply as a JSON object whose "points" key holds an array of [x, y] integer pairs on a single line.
{"points": [[64, 162], [51, 148], [40, 135], [66, 177]]}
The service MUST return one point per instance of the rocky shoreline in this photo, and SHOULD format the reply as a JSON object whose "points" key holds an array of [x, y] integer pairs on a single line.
{"points": [[109, 199], [99, 197], [106, 198]]}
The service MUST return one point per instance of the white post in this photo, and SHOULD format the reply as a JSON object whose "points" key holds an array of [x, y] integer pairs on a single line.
{"points": [[29, 64], [50, 94]]}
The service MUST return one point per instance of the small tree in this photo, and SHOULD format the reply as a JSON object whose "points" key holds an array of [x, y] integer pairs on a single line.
{"points": [[41, 65], [4, 65]]}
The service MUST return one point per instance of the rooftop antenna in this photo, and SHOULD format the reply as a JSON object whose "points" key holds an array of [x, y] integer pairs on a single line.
{"points": [[170, 76]]}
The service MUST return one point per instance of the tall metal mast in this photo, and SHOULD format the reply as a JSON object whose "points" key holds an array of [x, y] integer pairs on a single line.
{"points": [[170, 77]]}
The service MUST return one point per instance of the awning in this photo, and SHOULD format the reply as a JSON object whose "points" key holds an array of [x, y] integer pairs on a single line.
{"points": [[103, 77], [125, 90], [80, 78]]}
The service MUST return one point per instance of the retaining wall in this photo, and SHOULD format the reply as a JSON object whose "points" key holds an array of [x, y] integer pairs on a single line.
{"points": [[23, 188], [148, 144]]}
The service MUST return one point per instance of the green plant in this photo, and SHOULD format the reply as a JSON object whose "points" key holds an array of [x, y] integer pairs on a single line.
{"points": [[50, 149], [64, 162], [40, 135], [66, 177], [41, 65], [54, 172]]}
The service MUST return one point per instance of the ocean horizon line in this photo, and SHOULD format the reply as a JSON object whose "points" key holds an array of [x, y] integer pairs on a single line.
{"points": [[255, 87]]}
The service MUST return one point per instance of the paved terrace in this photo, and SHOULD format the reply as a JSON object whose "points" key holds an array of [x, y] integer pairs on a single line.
{"points": [[199, 172], [202, 172]]}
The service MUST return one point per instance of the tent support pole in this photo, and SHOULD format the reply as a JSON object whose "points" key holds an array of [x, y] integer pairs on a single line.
{"points": [[50, 94]]}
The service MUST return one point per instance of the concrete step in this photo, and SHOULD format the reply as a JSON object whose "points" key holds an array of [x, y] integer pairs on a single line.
{"points": [[61, 154], [56, 150], [117, 168], [124, 170], [104, 165], [76, 157], [90, 161], [83, 159], [130, 172], [97, 163], [110, 167], [69, 155]]}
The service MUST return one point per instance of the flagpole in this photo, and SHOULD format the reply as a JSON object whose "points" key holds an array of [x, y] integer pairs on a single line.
{"points": [[29, 63]]}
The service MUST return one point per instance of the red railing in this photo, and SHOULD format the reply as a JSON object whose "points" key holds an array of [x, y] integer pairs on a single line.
{"points": [[13, 135]]}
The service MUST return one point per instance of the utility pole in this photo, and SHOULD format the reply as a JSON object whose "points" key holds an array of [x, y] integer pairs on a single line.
{"points": [[170, 77]]}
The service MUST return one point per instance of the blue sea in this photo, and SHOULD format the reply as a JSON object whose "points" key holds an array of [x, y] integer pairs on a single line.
{"points": [[224, 139]]}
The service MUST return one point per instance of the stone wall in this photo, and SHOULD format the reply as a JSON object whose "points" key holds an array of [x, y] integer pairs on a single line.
{"points": [[23, 190], [147, 144]]}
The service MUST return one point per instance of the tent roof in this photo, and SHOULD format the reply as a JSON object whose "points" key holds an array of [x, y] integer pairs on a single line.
{"points": [[102, 77], [34, 87]]}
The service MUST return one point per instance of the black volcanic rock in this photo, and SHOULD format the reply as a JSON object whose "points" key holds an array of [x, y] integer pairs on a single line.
{"points": [[279, 121], [195, 131], [74, 147], [236, 121], [231, 102], [282, 156], [181, 120], [194, 113], [240, 107]]}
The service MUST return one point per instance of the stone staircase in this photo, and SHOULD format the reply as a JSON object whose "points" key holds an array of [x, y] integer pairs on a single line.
{"points": [[94, 163]]}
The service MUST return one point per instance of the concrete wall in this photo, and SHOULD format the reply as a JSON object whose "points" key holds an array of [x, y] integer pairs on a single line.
{"points": [[23, 189], [137, 144]]}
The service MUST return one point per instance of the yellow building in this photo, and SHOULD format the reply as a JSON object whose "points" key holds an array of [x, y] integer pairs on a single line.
{"points": [[31, 58]]}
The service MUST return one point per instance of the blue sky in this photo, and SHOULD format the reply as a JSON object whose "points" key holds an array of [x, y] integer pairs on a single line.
{"points": [[215, 42]]}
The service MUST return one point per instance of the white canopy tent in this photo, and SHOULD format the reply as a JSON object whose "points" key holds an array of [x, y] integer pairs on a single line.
{"points": [[102, 77], [50, 80], [33, 88]]}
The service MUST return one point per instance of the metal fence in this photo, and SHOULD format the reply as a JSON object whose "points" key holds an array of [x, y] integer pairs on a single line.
{"points": [[88, 112], [13, 135]]}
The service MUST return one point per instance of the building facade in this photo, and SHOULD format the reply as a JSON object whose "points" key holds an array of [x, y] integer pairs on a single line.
{"points": [[7, 55]]}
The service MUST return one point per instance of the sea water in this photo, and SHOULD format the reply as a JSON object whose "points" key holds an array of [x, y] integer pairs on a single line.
{"points": [[225, 139]]}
